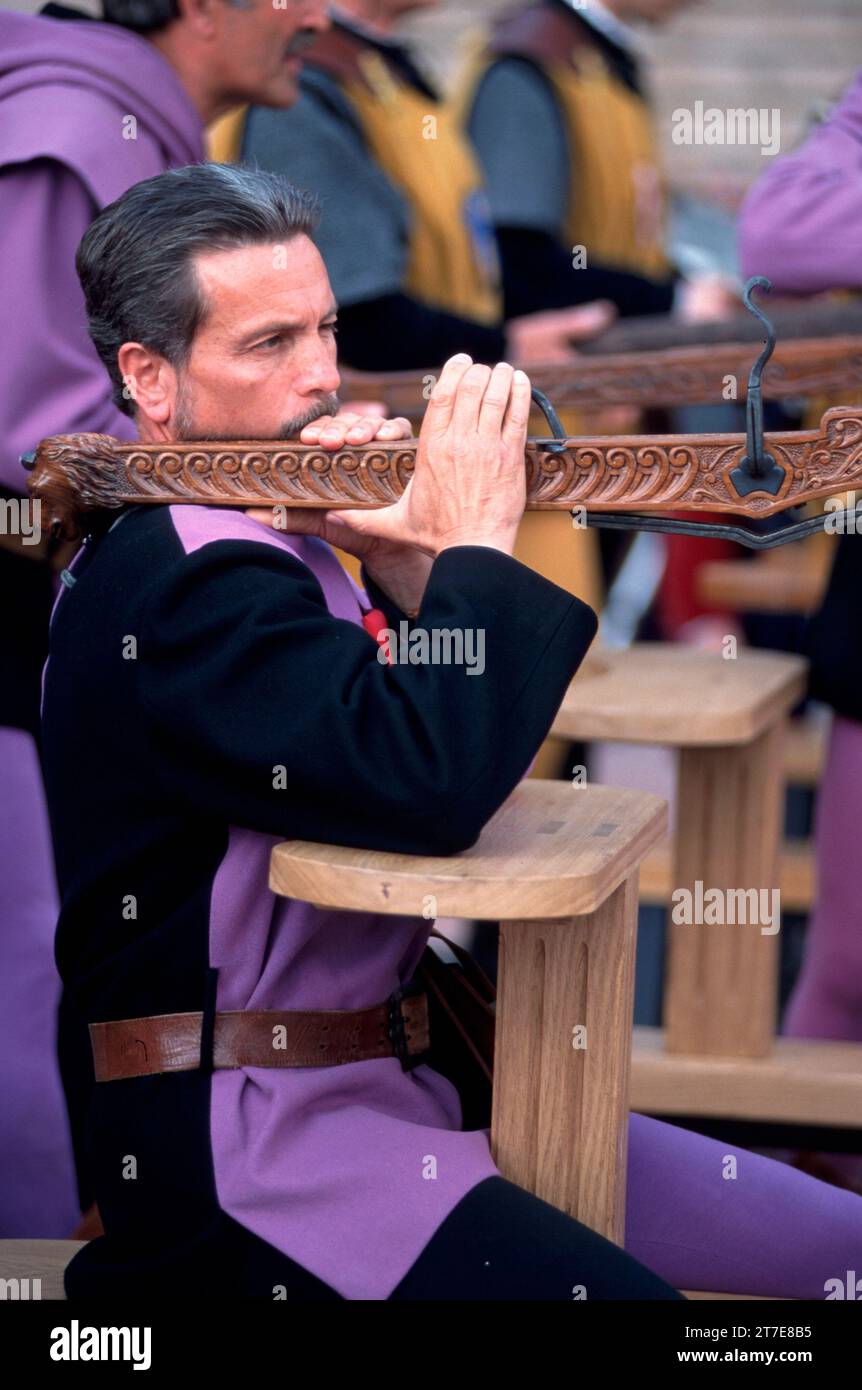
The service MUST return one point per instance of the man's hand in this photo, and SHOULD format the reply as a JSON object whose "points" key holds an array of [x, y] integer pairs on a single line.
{"points": [[400, 570], [550, 336], [469, 485]]}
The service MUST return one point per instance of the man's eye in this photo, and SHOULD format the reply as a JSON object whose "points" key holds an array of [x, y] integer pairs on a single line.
{"points": [[330, 327], [269, 342]]}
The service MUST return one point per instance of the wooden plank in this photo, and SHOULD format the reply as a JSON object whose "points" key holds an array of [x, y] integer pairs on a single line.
{"points": [[802, 1081], [553, 850], [680, 696], [775, 582], [796, 876]]}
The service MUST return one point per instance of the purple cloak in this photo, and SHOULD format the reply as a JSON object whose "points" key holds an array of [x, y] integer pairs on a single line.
{"points": [[86, 110]]}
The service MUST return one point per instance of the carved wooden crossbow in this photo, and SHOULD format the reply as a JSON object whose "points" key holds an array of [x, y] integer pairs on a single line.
{"points": [[623, 482]]}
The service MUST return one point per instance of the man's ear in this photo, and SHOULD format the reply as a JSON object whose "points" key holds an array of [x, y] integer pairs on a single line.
{"points": [[150, 381], [200, 15]]}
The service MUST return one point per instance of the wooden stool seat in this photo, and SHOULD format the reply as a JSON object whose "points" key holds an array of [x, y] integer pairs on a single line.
{"points": [[550, 851], [33, 1269], [557, 866], [680, 697]]}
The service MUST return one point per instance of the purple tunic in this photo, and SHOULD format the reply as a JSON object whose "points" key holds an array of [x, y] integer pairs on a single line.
{"points": [[801, 224], [279, 1137], [67, 92]]}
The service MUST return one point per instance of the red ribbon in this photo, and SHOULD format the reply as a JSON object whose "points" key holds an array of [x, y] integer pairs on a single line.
{"points": [[374, 622]]}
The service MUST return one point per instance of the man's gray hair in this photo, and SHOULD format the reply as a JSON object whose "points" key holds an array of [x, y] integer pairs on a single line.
{"points": [[136, 261]]}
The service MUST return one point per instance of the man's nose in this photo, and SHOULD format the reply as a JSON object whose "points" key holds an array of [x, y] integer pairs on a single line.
{"points": [[318, 373]]}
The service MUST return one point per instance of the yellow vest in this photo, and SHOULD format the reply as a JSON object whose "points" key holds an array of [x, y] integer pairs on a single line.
{"points": [[452, 256], [616, 200]]}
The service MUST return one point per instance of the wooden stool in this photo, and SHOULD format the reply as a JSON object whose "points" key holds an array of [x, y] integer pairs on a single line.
{"points": [[727, 718], [557, 866], [33, 1269]]}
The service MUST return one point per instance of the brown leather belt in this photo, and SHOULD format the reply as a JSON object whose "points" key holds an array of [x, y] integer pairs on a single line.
{"points": [[265, 1038]]}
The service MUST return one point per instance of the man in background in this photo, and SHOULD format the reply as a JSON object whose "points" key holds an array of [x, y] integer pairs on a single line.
{"points": [[557, 111], [87, 109]]}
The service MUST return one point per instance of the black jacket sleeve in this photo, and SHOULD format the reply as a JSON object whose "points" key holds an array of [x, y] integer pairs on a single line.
{"points": [[398, 333], [273, 714], [538, 274]]}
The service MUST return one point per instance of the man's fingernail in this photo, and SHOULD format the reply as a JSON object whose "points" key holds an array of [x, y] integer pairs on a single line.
{"points": [[520, 376], [461, 357]]}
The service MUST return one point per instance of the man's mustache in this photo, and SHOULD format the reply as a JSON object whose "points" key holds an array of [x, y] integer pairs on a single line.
{"points": [[328, 404]]}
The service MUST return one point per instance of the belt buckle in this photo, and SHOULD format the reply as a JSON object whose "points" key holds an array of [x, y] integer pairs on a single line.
{"points": [[397, 1030]]}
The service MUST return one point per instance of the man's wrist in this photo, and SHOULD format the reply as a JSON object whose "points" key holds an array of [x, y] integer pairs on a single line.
{"points": [[403, 584], [504, 543]]}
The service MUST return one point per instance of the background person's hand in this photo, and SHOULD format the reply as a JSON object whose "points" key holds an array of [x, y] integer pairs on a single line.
{"points": [[551, 336]]}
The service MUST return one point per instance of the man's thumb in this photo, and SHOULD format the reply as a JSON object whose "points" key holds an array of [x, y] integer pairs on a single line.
{"points": [[373, 522]]}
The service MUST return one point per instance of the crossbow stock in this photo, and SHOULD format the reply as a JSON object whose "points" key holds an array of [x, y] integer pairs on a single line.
{"points": [[624, 482]]}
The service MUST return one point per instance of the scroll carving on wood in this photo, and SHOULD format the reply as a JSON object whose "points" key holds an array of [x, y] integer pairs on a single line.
{"points": [[75, 476]]}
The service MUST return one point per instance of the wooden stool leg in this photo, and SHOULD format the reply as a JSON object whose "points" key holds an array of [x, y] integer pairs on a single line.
{"points": [[722, 980], [560, 1115]]}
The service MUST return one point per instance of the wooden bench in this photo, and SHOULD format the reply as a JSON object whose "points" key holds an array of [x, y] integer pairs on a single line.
{"points": [[558, 867]]}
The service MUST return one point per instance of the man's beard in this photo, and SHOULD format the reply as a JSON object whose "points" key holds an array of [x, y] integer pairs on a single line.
{"points": [[289, 429]]}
